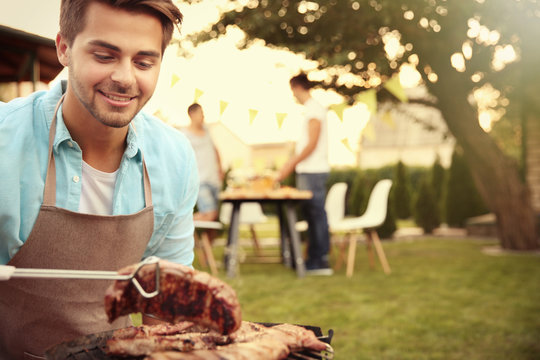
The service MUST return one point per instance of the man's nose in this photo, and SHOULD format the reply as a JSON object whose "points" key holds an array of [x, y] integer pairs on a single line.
{"points": [[124, 73]]}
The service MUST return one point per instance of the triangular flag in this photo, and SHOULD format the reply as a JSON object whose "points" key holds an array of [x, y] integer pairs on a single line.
{"points": [[388, 119], [345, 142], [252, 115], [368, 97], [394, 87], [280, 117], [174, 79], [259, 165], [198, 94], [369, 131], [338, 109], [222, 106]]}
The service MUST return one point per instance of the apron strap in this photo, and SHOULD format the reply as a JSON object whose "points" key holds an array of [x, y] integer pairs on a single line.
{"points": [[49, 194]]}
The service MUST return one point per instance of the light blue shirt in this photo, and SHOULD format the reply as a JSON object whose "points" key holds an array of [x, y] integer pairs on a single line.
{"points": [[169, 157]]}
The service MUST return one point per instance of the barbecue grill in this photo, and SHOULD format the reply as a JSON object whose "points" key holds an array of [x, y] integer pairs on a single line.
{"points": [[92, 347]]}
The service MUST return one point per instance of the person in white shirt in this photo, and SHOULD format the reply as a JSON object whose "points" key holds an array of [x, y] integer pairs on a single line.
{"points": [[208, 164], [312, 168]]}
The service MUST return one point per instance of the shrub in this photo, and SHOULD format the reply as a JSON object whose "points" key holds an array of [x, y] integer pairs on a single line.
{"points": [[401, 193], [426, 211], [462, 198]]}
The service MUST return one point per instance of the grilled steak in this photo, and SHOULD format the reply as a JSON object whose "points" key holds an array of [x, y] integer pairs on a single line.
{"points": [[251, 341], [184, 295]]}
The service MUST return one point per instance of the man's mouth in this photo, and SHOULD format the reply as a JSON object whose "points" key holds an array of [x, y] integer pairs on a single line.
{"points": [[117, 100]]}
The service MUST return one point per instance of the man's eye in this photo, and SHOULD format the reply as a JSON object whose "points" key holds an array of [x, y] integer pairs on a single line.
{"points": [[103, 57], [144, 64]]}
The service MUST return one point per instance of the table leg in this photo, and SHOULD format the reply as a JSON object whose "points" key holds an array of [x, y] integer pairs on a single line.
{"points": [[295, 240], [284, 238], [231, 252]]}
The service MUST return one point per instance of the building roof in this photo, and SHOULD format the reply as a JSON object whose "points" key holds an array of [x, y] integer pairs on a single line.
{"points": [[22, 52]]}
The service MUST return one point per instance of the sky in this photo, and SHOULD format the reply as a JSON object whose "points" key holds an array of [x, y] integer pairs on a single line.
{"points": [[252, 83]]}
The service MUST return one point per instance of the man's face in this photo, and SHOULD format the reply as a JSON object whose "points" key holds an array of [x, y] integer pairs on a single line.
{"points": [[113, 63], [197, 116]]}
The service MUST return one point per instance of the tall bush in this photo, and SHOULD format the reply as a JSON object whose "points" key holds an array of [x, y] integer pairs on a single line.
{"points": [[438, 184], [426, 211], [462, 198], [401, 192]]}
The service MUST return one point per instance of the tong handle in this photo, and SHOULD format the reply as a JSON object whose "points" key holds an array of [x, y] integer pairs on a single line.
{"points": [[6, 271]]}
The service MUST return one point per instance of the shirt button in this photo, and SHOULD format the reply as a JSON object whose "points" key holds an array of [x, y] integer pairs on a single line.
{"points": [[76, 179], [70, 144]]}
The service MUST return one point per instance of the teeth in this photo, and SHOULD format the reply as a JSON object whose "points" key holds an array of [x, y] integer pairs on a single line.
{"points": [[117, 98]]}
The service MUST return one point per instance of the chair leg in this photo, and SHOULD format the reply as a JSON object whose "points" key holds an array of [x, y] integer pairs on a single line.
{"points": [[255, 240], [380, 252], [351, 255], [207, 247], [199, 250], [341, 255]]}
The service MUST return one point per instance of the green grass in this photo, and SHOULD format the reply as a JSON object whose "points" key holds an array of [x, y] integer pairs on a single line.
{"points": [[445, 299]]}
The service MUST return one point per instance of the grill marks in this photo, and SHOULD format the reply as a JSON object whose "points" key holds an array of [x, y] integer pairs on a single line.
{"points": [[184, 294]]}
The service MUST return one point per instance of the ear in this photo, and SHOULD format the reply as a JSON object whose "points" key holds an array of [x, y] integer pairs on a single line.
{"points": [[62, 49]]}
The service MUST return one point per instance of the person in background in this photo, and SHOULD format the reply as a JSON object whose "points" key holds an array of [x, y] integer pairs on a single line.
{"points": [[87, 180], [208, 163], [312, 168]]}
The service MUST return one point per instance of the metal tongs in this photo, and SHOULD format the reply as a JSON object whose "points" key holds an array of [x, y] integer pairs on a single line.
{"points": [[7, 272]]}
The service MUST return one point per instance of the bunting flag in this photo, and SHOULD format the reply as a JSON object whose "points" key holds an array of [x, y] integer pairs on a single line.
{"points": [[252, 115], [338, 109], [394, 87], [368, 97], [388, 119], [280, 117], [369, 131], [174, 80], [346, 143], [222, 106], [198, 94]]}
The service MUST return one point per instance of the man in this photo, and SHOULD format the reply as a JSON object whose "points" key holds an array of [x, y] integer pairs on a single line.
{"points": [[208, 163], [312, 168], [87, 181]]}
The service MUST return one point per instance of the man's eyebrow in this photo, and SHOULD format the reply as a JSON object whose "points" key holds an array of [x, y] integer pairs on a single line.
{"points": [[106, 45]]}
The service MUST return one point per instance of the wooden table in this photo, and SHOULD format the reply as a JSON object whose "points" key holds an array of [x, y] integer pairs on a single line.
{"points": [[285, 200]]}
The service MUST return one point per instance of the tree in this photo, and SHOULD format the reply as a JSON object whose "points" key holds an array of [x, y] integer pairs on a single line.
{"points": [[358, 36]]}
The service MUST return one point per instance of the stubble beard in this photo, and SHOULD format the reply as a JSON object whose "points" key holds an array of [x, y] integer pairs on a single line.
{"points": [[112, 116]]}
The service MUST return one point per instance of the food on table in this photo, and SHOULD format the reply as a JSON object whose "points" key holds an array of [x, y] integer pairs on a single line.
{"points": [[250, 341], [185, 294]]}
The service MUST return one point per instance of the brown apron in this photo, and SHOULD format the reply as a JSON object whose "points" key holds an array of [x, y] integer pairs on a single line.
{"points": [[38, 313]]}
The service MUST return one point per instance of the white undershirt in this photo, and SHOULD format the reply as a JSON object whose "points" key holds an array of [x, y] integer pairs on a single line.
{"points": [[97, 191]]}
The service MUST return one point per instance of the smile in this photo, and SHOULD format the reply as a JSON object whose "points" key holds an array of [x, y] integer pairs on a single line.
{"points": [[117, 100]]}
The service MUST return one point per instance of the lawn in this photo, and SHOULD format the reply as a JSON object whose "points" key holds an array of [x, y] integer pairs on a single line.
{"points": [[445, 299]]}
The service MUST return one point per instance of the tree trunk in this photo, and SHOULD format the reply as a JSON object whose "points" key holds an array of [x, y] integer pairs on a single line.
{"points": [[495, 174]]}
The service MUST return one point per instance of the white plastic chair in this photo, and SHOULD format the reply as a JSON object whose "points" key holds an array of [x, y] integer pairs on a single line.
{"points": [[251, 213], [334, 206], [372, 218]]}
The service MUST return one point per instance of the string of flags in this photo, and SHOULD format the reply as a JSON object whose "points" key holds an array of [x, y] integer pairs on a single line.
{"points": [[367, 97]]}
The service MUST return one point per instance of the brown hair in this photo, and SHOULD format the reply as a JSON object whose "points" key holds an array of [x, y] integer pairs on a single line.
{"points": [[302, 81], [193, 107], [73, 12]]}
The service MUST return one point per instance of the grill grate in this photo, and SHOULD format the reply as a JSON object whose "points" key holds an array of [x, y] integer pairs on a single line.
{"points": [[92, 347]]}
